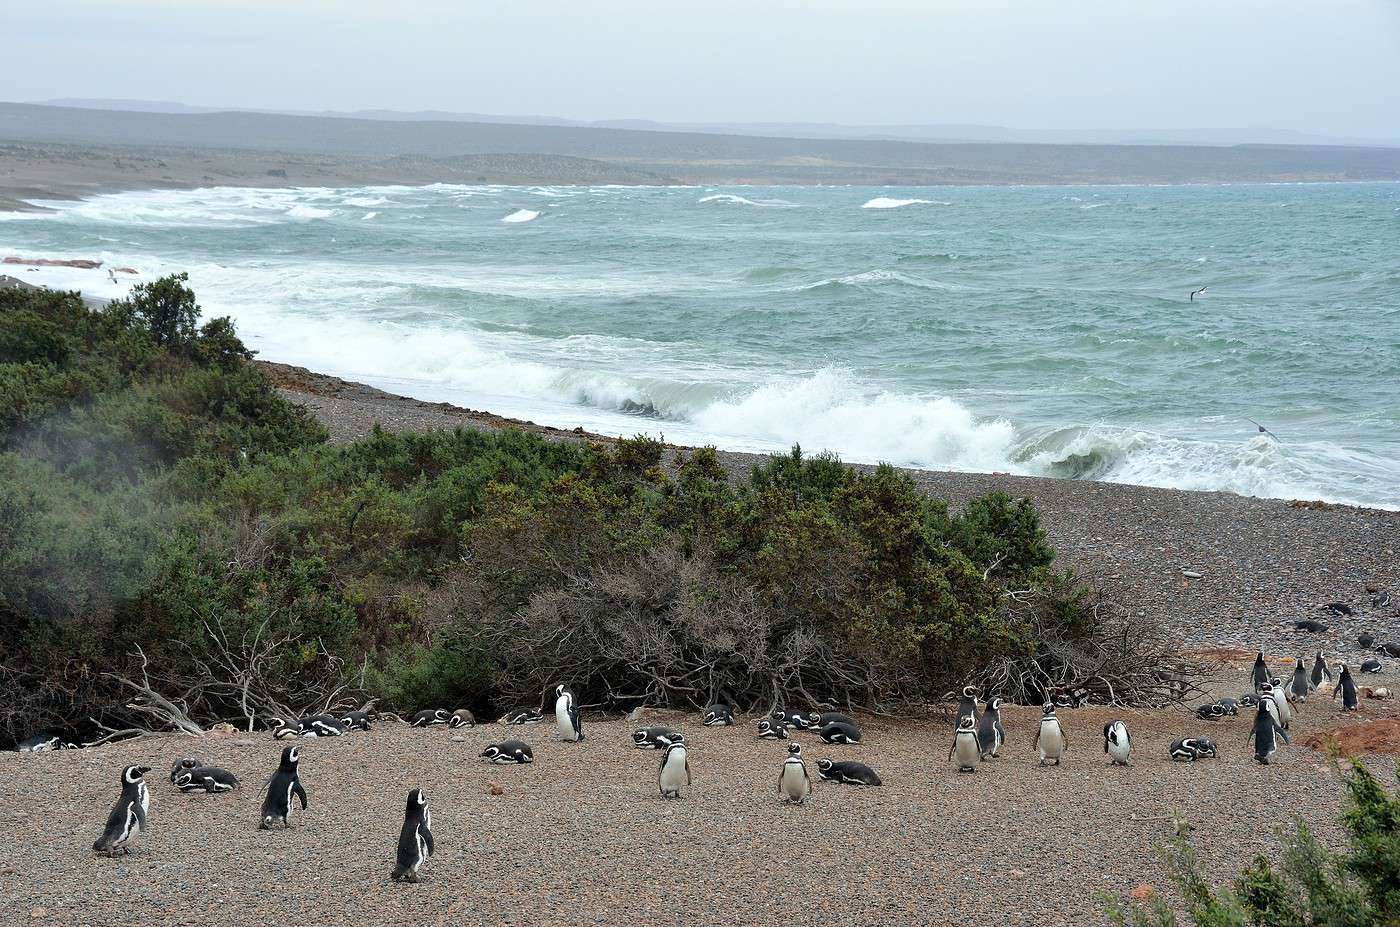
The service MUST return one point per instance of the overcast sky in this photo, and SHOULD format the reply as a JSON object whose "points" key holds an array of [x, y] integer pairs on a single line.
{"points": [[1328, 67]]}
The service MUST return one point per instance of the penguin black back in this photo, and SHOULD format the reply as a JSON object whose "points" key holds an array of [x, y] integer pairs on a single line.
{"points": [[286, 783], [127, 818], [1346, 687], [415, 838]]}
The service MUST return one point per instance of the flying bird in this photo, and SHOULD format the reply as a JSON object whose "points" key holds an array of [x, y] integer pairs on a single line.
{"points": [[1262, 429], [1195, 293]]}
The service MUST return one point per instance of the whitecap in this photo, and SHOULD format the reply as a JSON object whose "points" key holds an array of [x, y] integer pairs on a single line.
{"points": [[886, 202], [522, 215]]}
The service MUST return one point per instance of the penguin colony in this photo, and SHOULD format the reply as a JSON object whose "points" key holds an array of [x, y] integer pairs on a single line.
{"points": [[977, 738]]}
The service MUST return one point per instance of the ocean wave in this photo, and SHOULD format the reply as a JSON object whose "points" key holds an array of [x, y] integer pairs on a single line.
{"points": [[1094, 205], [367, 216], [731, 199], [302, 211], [364, 201], [876, 277], [886, 202], [522, 215]]}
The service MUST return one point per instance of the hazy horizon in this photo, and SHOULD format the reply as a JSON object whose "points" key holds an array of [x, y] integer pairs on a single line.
{"points": [[1090, 66]]}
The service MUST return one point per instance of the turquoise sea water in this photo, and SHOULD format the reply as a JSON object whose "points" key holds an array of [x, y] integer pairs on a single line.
{"points": [[1040, 330]]}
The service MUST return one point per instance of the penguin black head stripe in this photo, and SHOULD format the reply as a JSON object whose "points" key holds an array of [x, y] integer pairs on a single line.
{"points": [[965, 723], [291, 756], [795, 748], [133, 774]]}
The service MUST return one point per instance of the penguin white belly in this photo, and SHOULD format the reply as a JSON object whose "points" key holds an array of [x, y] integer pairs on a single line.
{"points": [[561, 718], [795, 785], [966, 752], [1052, 742], [673, 773], [1119, 752], [1285, 714]]}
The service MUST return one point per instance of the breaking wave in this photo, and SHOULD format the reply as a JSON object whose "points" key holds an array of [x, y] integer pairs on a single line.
{"points": [[886, 202], [522, 215]]}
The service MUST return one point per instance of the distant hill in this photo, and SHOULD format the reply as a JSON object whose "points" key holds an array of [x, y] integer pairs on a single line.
{"points": [[702, 157], [942, 132]]}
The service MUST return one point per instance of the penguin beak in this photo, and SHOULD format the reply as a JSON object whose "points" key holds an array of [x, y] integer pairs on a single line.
{"points": [[144, 769]]}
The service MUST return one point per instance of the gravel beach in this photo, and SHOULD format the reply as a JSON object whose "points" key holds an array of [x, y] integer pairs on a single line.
{"points": [[582, 836], [1260, 564]]}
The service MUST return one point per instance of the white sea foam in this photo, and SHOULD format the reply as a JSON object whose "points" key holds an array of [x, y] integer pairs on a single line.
{"points": [[886, 202], [875, 277], [303, 211], [367, 216], [522, 215], [732, 199]]}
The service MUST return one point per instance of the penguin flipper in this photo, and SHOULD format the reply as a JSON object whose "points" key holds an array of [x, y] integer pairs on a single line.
{"points": [[300, 792], [140, 815], [1285, 735], [687, 770], [426, 833]]}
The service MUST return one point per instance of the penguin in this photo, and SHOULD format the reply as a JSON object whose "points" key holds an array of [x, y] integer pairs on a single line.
{"points": [[284, 731], [286, 782], [967, 705], [1366, 639], [1116, 743], [1390, 649], [322, 726], [1301, 685], [1184, 750], [209, 779], [1267, 702], [674, 770], [990, 734], [802, 721], [128, 817], [1261, 671], [182, 765], [965, 746], [1265, 734], [1311, 626], [1204, 748], [430, 716], [566, 714], [39, 743], [1212, 712], [523, 716], [717, 715], [849, 772], [1371, 665], [655, 738], [356, 721], [1248, 700], [839, 732], [1321, 672], [509, 752], [415, 838], [818, 721], [793, 780], [1050, 737], [1280, 697], [769, 729], [461, 718], [1347, 688], [1230, 706]]}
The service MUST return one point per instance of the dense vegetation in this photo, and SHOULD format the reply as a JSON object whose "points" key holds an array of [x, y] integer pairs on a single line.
{"points": [[1309, 887], [170, 525]]}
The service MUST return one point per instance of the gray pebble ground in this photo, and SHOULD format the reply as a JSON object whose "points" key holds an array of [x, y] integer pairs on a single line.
{"points": [[582, 836]]}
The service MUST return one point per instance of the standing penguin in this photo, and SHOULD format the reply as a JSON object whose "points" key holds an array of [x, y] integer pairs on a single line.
{"points": [[1116, 743], [990, 734], [1050, 738], [566, 714], [286, 782], [1261, 672], [1280, 697], [1265, 734], [967, 705], [1300, 681], [1267, 702], [128, 817], [1347, 687], [793, 780], [1321, 672], [965, 746], [674, 771], [415, 839]]}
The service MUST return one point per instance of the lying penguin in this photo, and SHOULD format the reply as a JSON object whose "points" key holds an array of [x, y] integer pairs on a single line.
{"points": [[848, 771]]}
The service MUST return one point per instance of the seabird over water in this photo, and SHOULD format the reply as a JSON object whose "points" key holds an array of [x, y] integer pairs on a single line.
{"points": [[1262, 429], [1195, 293]]}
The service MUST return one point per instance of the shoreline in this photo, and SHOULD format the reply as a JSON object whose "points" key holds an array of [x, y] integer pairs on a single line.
{"points": [[1262, 563]]}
